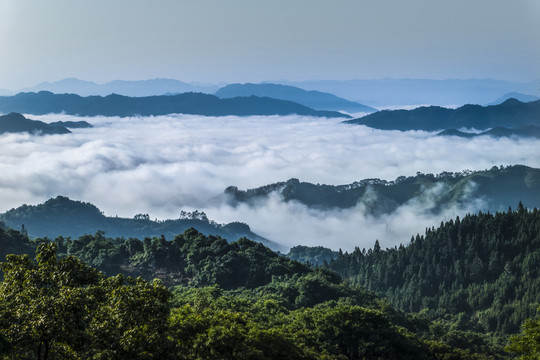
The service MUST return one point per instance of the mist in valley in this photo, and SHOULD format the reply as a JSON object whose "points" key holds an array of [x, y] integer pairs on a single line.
{"points": [[165, 164]]}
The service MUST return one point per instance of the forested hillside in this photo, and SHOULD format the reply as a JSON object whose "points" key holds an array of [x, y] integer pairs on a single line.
{"points": [[57, 306], [457, 292], [62, 216], [481, 272], [492, 190]]}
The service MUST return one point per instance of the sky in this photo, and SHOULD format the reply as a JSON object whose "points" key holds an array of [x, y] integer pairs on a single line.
{"points": [[213, 41], [165, 164]]}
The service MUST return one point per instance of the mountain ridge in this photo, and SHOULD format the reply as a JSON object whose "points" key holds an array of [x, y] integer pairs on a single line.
{"points": [[497, 188], [310, 98], [187, 103], [136, 88], [17, 123], [77, 218], [511, 113]]}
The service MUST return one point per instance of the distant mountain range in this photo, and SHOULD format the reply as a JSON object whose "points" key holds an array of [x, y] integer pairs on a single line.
{"points": [[188, 103], [121, 87], [15, 123], [498, 132], [510, 114], [375, 93], [514, 95], [496, 189], [401, 92], [313, 99], [62, 216]]}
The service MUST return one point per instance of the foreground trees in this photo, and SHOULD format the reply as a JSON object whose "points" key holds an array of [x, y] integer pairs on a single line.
{"points": [[62, 308], [57, 307]]}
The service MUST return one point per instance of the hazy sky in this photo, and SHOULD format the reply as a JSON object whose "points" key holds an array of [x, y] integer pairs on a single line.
{"points": [[246, 40]]}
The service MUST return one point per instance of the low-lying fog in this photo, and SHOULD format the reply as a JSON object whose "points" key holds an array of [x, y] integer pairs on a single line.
{"points": [[162, 165]]}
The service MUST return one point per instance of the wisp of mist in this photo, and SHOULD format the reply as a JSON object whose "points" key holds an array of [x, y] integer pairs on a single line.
{"points": [[164, 164]]}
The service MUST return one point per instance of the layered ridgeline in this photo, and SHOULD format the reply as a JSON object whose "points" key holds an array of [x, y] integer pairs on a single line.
{"points": [[64, 217], [392, 92], [313, 99], [510, 114], [187, 103], [149, 87], [494, 190], [379, 92], [237, 300], [515, 95]]}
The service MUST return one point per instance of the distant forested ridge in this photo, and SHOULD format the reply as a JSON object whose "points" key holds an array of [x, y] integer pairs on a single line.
{"points": [[313, 99], [481, 271], [493, 189], [187, 103], [237, 300], [17, 123], [510, 114], [62, 216]]}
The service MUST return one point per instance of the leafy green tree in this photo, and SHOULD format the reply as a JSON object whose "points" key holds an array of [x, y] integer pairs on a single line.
{"points": [[527, 344], [62, 308], [44, 305]]}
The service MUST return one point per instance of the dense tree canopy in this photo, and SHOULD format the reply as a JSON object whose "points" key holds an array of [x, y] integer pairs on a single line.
{"points": [[235, 301], [482, 271], [62, 308]]}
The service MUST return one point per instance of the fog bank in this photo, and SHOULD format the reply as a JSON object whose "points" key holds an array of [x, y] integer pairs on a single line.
{"points": [[162, 165]]}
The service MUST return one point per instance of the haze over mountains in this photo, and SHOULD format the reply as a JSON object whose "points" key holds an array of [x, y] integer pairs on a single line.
{"points": [[490, 190], [313, 99], [424, 195], [515, 95], [121, 87], [401, 92], [375, 93]]}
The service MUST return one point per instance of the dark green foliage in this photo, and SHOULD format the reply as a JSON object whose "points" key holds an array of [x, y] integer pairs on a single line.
{"points": [[267, 307], [62, 308], [317, 255], [191, 258], [527, 344], [481, 272], [14, 242]]}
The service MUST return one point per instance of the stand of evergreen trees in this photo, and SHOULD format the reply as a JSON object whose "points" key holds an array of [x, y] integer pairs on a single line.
{"points": [[481, 272]]}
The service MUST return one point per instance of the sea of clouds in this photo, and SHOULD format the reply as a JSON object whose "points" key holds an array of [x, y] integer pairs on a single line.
{"points": [[164, 164]]}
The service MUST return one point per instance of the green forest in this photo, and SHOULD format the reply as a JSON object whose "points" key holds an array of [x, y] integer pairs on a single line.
{"points": [[462, 291]]}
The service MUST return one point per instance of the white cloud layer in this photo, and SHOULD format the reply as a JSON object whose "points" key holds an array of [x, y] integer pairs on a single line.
{"points": [[162, 165]]}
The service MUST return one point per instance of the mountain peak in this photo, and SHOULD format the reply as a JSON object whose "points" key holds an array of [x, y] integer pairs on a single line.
{"points": [[310, 98]]}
